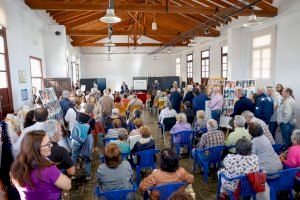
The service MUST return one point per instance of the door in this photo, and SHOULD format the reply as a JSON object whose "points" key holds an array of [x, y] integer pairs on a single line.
{"points": [[6, 101]]}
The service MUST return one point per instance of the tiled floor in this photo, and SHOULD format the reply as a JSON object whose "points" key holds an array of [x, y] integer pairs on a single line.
{"points": [[203, 191]]}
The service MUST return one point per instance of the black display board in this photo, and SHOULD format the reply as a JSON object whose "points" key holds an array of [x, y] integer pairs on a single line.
{"points": [[101, 82], [89, 83], [168, 81], [152, 79]]}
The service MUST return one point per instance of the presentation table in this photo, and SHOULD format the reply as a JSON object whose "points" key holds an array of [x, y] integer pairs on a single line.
{"points": [[142, 96]]}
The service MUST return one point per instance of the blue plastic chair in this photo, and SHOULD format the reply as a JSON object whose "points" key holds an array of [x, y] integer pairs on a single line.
{"points": [[208, 156], [107, 140], [165, 190], [124, 157], [146, 161], [115, 194], [282, 180], [185, 138], [245, 187], [167, 125], [279, 148]]}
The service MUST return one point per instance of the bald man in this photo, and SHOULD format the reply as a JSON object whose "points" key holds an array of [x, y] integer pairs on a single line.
{"points": [[264, 105]]}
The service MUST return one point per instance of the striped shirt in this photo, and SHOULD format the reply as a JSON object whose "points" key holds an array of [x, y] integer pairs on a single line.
{"points": [[265, 128], [211, 139]]}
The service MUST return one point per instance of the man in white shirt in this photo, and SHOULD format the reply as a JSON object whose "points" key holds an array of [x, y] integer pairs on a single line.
{"points": [[166, 112], [41, 116], [72, 113]]}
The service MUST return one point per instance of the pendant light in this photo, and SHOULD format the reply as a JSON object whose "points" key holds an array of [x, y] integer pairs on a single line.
{"points": [[110, 16], [154, 24], [252, 21]]}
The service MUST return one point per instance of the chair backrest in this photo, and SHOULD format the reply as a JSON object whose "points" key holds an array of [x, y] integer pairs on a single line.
{"points": [[124, 157], [161, 104], [147, 157], [135, 107], [214, 154], [166, 190], [279, 148], [284, 179], [107, 140], [185, 136], [169, 122], [244, 184], [115, 194]]}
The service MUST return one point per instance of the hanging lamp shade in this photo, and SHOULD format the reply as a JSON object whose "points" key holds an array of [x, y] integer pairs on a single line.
{"points": [[192, 43], [252, 22], [110, 17], [109, 43]]}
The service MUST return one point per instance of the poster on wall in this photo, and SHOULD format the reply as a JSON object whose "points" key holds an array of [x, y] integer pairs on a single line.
{"points": [[51, 104], [230, 86]]}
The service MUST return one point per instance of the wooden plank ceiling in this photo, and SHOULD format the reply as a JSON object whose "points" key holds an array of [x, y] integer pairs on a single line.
{"points": [[82, 18]]}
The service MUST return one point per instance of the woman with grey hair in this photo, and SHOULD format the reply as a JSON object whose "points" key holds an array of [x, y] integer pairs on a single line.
{"points": [[238, 133], [59, 154], [243, 162], [166, 112], [181, 125], [291, 158]]}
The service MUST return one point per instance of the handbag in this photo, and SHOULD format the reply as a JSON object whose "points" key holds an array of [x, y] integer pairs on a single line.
{"points": [[257, 180]]}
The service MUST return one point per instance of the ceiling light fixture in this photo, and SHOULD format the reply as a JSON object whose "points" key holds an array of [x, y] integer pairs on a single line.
{"points": [[206, 31], [225, 23], [154, 24], [192, 43], [110, 16], [109, 43], [252, 20], [169, 51]]}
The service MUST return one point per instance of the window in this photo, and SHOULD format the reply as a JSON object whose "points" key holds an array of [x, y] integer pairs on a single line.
{"points": [[261, 57], [3, 68], [36, 73], [224, 62], [189, 63], [204, 66], [75, 65], [178, 62]]}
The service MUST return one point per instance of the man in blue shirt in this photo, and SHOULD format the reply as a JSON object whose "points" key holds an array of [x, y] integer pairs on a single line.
{"points": [[242, 104], [175, 99], [199, 99], [264, 106], [65, 103]]}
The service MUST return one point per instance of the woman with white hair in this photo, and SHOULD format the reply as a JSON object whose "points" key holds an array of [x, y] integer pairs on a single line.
{"points": [[166, 112], [189, 96], [216, 104], [181, 125], [59, 154]]}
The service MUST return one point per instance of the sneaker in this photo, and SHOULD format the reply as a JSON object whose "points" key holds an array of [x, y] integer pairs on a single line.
{"points": [[88, 177]]}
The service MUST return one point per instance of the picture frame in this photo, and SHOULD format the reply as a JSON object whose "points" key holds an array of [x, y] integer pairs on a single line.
{"points": [[24, 93], [22, 76]]}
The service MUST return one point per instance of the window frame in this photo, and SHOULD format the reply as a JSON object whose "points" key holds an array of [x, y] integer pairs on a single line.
{"points": [[222, 63], [176, 66], [189, 79], [203, 77], [37, 77]]}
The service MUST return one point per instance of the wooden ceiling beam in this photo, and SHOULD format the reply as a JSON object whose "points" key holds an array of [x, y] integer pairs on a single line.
{"points": [[89, 44], [121, 32]]}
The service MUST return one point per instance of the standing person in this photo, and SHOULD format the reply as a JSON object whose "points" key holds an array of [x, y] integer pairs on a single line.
{"points": [[33, 174], [70, 117], [216, 104], [135, 102], [124, 88], [188, 96], [106, 105], [199, 99], [155, 86], [189, 112], [175, 99], [65, 103], [92, 100], [277, 98], [286, 115], [279, 88], [264, 106], [85, 149], [243, 103], [124, 101]]}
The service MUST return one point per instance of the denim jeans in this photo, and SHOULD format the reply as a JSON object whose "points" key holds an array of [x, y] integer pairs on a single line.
{"points": [[286, 132], [273, 128], [215, 114], [76, 150]]}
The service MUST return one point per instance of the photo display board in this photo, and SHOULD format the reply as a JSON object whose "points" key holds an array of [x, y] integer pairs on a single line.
{"points": [[51, 104], [230, 86]]}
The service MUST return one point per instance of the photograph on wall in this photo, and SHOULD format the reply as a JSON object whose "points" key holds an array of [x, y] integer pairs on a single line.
{"points": [[24, 93]]}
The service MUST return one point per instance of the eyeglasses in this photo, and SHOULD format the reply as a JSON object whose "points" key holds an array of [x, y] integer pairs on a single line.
{"points": [[49, 144]]}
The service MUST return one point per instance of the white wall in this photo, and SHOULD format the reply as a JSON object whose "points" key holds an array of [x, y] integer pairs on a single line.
{"points": [[123, 67], [30, 33]]}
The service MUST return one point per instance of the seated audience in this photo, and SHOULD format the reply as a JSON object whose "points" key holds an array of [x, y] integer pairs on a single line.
{"points": [[243, 162], [135, 103], [115, 114], [189, 112], [117, 100], [114, 174], [135, 115], [164, 98], [212, 138], [181, 195], [29, 119], [41, 116], [166, 112], [268, 159], [249, 116], [59, 155], [238, 133], [137, 124], [168, 172], [201, 123], [157, 97], [114, 132], [33, 174], [181, 124], [291, 158], [145, 141], [122, 143]]}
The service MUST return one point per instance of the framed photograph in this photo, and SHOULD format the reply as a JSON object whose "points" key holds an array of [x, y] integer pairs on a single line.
{"points": [[24, 93], [22, 76]]}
